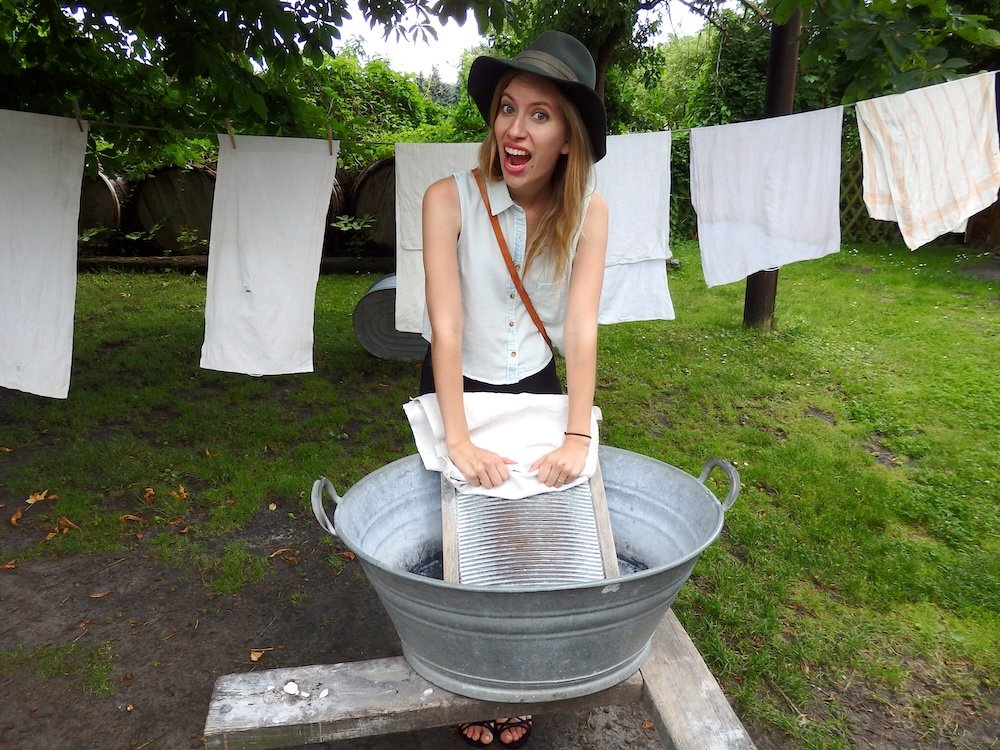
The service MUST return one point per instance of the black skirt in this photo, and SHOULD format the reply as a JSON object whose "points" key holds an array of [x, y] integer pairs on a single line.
{"points": [[545, 380]]}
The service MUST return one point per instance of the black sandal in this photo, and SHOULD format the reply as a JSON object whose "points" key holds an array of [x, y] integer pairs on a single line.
{"points": [[485, 725], [514, 723]]}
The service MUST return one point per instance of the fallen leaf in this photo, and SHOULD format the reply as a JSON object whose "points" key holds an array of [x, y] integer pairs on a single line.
{"points": [[50, 536], [16, 517], [64, 524], [180, 494], [181, 525], [5, 449], [257, 653], [149, 496], [9, 565], [278, 552], [272, 506], [647, 724], [208, 453], [37, 497], [100, 594], [130, 708], [290, 559], [130, 517], [347, 555]]}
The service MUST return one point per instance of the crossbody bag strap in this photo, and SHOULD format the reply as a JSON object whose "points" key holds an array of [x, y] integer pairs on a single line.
{"points": [[505, 252]]}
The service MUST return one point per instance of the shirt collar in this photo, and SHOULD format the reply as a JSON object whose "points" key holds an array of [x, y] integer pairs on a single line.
{"points": [[500, 199]]}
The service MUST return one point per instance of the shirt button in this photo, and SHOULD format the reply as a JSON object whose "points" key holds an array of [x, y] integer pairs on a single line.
{"points": [[511, 324], [512, 295], [513, 354]]}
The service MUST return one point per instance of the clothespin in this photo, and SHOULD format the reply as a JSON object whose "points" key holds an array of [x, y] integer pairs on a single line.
{"points": [[329, 138], [229, 129], [76, 113]]}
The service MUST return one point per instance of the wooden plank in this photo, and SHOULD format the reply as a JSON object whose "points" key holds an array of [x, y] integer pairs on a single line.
{"points": [[684, 699], [449, 530], [253, 711], [603, 519]]}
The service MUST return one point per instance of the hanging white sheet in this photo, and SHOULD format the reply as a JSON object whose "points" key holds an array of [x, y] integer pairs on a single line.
{"points": [[634, 180], [417, 166], [767, 192], [272, 196], [931, 157], [41, 171]]}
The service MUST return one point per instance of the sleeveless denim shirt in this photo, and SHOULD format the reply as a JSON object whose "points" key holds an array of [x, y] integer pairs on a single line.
{"points": [[500, 343]]}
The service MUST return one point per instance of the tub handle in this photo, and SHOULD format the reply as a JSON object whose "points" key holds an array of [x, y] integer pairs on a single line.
{"points": [[317, 502], [734, 479]]}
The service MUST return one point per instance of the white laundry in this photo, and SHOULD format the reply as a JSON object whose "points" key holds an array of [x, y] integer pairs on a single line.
{"points": [[520, 426], [634, 180], [931, 157], [41, 171], [272, 196], [417, 166], [767, 192]]}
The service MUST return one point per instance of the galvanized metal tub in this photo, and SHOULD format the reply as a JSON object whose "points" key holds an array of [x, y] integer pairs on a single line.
{"points": [[529, 644]]}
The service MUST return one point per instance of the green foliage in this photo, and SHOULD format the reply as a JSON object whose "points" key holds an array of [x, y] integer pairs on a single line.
{"points": [[358, 231], [732, 73], [858, 49], [186, 66]]}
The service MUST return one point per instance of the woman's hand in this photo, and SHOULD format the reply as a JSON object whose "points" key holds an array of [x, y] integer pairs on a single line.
{"points": [[480, 467], [564, 464]]}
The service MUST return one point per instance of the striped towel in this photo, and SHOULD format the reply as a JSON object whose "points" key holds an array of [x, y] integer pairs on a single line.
{"points": [[931, 157]]}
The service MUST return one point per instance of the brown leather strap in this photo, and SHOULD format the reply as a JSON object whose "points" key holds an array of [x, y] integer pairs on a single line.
{"points": [[510, 261]]}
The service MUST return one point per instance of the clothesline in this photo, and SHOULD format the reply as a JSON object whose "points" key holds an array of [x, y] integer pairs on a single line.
{"points": [[766, 193]]}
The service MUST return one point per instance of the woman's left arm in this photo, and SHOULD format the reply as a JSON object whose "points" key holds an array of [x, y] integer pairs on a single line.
{"points": [[580, 346]]}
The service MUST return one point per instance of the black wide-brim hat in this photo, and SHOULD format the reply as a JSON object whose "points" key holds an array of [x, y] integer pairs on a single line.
{"points": [[560, 59]]}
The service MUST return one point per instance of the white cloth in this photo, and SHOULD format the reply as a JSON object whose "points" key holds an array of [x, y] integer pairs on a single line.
{"points": [[634, 180], [41, 173], [520, 426], [268, 219], [766, 192], [417, 166], [931, 157]]}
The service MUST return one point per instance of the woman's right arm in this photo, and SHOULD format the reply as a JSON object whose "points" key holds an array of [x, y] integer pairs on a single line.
{"points": [[442, 222]]}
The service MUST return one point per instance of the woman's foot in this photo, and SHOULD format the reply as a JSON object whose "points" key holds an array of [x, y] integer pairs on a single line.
{"points": [[513, 731], [478, 733]]}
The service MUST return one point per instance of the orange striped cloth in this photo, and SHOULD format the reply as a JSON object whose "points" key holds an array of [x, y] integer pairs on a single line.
{"points": [[931, 157]]}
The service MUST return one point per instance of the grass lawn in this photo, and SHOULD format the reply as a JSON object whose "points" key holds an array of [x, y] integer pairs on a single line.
{"points": [[859, 569]]}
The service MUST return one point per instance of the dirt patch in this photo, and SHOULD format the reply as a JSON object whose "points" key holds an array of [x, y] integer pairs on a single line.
{"points": [[986, 271], [882, 454], [165, 637]]}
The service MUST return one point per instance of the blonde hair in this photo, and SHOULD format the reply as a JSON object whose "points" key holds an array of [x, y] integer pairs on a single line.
{"points": [[553, 238]]}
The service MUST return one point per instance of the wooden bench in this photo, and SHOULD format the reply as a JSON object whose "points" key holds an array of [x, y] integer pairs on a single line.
{"points": [[254, 711]]}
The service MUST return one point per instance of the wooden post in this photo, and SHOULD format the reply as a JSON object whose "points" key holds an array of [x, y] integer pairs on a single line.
{"points": [[782, 68]]}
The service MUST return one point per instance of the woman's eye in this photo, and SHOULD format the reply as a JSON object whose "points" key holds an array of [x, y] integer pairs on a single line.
{"points": [[540, 116], [506, 109]]}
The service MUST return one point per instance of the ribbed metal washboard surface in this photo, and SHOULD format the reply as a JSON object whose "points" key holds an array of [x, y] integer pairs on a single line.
{"points": [[545, 539]]}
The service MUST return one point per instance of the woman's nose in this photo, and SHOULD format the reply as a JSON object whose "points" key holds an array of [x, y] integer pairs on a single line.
{"points": [[517, 125]]}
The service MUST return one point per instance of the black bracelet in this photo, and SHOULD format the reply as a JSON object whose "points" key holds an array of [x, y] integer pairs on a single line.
{"points": [[578, 434]]}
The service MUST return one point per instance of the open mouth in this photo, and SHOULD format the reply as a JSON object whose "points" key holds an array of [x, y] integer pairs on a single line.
{"points": [[516, 157]]}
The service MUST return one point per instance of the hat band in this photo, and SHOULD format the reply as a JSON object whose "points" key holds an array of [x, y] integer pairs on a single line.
{"points": [[551, 65]]}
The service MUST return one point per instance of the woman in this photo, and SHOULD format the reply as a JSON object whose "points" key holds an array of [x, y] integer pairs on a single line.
{"points": [[547, 128]]}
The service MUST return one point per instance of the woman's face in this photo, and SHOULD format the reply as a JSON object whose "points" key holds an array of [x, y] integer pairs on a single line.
{"points": [[531, 131]]}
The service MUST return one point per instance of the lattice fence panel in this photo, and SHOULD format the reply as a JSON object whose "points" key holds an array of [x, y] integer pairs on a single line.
{"points": [[855, 224]]}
